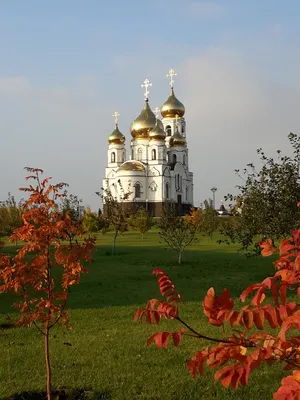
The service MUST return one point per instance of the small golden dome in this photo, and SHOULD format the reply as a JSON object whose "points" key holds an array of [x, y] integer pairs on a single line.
{"points": [[116, 137], [144, 123], [172, 107], [157, 132], [177, 139], [132, 166]]}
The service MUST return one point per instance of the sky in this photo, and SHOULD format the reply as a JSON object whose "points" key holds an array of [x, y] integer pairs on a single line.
{"points": [[66, 66]]}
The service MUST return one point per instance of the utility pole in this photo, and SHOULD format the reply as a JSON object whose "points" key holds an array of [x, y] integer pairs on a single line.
{"points": [[214, 189]]}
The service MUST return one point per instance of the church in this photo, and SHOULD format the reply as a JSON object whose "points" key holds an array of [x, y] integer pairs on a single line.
{"points": [[157, 169]]}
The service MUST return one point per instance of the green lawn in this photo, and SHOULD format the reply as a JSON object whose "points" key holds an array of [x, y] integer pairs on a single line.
{"points": [[105, 351]]}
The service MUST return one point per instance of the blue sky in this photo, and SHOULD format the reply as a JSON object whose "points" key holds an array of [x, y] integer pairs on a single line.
{"points": [[66, 66]]}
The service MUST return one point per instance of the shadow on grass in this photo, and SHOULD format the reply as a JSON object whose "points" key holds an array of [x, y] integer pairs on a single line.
{"points": [[63, 394], [126, 278]]}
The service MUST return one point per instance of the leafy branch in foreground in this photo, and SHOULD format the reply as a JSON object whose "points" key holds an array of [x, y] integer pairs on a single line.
{"points": [[50, 245], [235, 356]]}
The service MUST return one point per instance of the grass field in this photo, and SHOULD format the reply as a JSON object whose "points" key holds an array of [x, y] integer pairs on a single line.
{"points": [[105, 351]]}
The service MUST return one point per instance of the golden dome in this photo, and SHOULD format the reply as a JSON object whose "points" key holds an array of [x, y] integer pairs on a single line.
{"points": [[144, 123], [116, 137], [172, 107], [157, 132], [132, 166], [177, 139]]}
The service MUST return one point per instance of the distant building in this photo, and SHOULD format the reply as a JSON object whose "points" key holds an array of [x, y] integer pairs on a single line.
{"points": [[222, 212], [157, 169]]}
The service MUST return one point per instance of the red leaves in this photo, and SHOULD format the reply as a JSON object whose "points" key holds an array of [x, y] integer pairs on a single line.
{"points": [[161, 339], [166, 286], [267, 248], [290, 389], [216, 308]]}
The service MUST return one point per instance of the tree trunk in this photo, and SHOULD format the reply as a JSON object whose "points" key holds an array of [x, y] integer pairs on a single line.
{"points": [[179, 256], [48, 366], [114, 242]]}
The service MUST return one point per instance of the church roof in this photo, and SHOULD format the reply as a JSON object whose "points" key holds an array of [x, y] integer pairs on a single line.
{"points": [[132, 166]]}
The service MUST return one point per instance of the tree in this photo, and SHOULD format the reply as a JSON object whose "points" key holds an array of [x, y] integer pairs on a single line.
{"points": [[177, 232], [115, 208], [210, 222], [141, 221], [89, 221], [266, 202], [71, 204], [10, 215], [237, 354], [50, 244]]}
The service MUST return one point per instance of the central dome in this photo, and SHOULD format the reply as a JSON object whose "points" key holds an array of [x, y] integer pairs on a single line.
{"points": [[144, 123], [172, 107]]}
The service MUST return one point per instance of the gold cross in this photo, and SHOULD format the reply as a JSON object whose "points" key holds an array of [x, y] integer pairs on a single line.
{"points": [[146, 85], [171, 75], [116, 116]]}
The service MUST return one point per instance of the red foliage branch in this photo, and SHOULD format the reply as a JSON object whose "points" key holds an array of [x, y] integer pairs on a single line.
{"points": [[236, 356]]}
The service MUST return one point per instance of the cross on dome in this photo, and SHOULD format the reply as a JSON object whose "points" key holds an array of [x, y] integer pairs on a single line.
{"points": [[116, 117], [146, 85], [156, 112], [171, 75]]}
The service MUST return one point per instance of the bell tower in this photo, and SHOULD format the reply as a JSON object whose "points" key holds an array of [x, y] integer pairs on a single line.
{"points": [[116, 149]]}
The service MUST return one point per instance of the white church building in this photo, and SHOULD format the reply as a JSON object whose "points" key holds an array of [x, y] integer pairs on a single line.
{"points": [[157, 169]]}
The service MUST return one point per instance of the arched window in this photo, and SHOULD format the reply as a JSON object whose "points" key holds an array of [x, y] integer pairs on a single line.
{"points": [[174, 159], [183, 130], [167, 190], [183, 161], [113, 157], [123, 156], [186, 193], [139, 154], [137, 188], [168, 130], [153, 154], [132, 154]]}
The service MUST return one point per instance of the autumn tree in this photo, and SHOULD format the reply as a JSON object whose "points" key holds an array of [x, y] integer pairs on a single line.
{"points": [[50, 244], [141, 221], [265, 205], [176, 231], [114, 201], [265, 330]]}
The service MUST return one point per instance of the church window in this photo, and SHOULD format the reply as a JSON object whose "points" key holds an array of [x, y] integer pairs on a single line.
{"points": [[168, 130], [113, 157], [132, 154], [139, 154], [153, 154], [186, 193], [183, 162], [137, 188], [183, 130], [167, 190], [123, 156], [174, 159]]}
